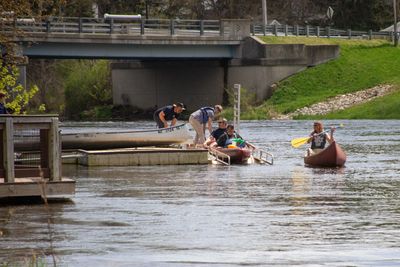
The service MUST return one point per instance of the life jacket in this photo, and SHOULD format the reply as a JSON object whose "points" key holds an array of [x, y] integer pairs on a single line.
{"points": [[204, 114], [319, 141]]}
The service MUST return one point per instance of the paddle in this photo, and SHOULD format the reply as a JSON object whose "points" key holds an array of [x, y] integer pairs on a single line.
{"points": [[297, 142]]}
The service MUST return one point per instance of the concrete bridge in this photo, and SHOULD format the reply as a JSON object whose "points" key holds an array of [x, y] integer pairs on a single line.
{"points": [[164, 61]]}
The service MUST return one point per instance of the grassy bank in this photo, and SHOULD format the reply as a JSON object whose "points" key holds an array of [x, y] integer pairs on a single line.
{"points": [[386, 107], [362, 64]]}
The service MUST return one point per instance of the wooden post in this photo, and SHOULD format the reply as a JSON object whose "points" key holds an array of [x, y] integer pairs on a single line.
{"points": [[286, 30], [370, 34], [349, 33], [54, 155], [8, 151], [328, 32], [318, 31], [276, 30]]}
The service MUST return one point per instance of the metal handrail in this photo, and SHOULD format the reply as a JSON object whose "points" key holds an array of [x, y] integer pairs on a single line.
{"points": [[263, 156], [220, 156]]}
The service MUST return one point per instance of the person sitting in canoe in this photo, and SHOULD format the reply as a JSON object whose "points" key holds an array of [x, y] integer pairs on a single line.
{"points": [[202, 119], [212, 139], [230, 137], [168, 113], [318, 138]]}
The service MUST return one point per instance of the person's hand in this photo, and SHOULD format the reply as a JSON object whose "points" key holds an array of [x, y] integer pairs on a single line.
{"points": [[333, 129], [165, 125]]}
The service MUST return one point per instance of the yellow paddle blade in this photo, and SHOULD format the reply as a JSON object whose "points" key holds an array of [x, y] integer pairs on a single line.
{"points": [[297, 142]]}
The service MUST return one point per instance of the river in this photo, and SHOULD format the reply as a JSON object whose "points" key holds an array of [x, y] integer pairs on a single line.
{"points": [[280, 215]]}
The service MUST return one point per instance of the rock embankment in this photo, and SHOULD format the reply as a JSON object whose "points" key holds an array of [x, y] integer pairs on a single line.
{"points": [[339, 102]]}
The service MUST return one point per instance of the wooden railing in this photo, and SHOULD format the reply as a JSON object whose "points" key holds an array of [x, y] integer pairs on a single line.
{"points": [[14, 129]]}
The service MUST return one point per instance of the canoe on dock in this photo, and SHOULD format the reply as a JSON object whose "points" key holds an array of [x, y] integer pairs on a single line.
{"points": [[118, 139], [332, 156]]}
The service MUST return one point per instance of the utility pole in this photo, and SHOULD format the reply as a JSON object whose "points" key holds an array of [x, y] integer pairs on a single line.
{"points": [[264, 12], [396, 39]]}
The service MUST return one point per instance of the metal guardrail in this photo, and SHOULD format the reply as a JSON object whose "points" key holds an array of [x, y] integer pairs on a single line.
{"points": [[174, 27], [316, 31], [160, 27]]}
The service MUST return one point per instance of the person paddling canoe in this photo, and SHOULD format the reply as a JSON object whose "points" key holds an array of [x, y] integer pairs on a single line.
{"points": [[318, 138]]}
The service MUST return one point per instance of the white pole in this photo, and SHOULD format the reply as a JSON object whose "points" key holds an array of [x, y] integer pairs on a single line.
{"points": [[396, 40], [264, 12], [236, 107]]}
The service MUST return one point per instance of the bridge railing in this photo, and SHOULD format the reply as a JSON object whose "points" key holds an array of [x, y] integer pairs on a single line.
{"points": [[111, 26], [230, 29], [317, 31]]}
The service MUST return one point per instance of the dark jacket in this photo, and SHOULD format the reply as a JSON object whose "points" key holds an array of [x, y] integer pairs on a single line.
{"points": [[224, 140], [3, 109]]}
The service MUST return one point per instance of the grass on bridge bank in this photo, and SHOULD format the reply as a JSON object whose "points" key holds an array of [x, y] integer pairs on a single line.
{"points": [[362, 64]]}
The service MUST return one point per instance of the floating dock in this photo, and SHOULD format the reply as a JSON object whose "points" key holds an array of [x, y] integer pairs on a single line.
{"points": [[145, 156]]}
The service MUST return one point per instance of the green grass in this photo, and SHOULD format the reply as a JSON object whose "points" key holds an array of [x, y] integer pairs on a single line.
{"points": [[362, 64], [386, 107]]}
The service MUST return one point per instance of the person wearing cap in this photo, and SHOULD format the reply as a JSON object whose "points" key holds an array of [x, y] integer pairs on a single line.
{"points": [[3, 109], [212, 139], [202, 118], [168, 113]]}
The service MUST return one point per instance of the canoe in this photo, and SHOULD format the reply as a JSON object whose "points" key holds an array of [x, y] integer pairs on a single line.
{"points": [[237, 155], [332, 156], [120, 139]]}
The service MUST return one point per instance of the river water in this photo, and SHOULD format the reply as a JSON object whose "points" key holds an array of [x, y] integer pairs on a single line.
{"points": [[280, 215]]}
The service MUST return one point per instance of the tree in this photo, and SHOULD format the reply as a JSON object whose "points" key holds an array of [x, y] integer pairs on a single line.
{"points": [[10, 58]]}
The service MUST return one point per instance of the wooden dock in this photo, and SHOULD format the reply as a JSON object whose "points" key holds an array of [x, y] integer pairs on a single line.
{"points": [[41, 179]]}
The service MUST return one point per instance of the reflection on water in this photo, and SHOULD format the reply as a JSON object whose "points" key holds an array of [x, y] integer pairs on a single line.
{"points": [[283, 214]]}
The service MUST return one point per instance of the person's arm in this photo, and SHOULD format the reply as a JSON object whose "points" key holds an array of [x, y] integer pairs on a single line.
{"points": [[312, 135], [173, 122], [330, 137], [209, 125], [161, 115]]}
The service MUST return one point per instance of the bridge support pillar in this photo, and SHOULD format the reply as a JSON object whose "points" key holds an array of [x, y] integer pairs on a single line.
{"points": [[151, 84]]}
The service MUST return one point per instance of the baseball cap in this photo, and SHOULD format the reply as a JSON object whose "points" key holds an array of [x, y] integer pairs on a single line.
{"points": [[181, 105]]}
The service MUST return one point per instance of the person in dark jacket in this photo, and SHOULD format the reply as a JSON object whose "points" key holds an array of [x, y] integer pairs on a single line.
{"points": [[168, 113], [212, 139], [227, 138], [3, 109]]}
